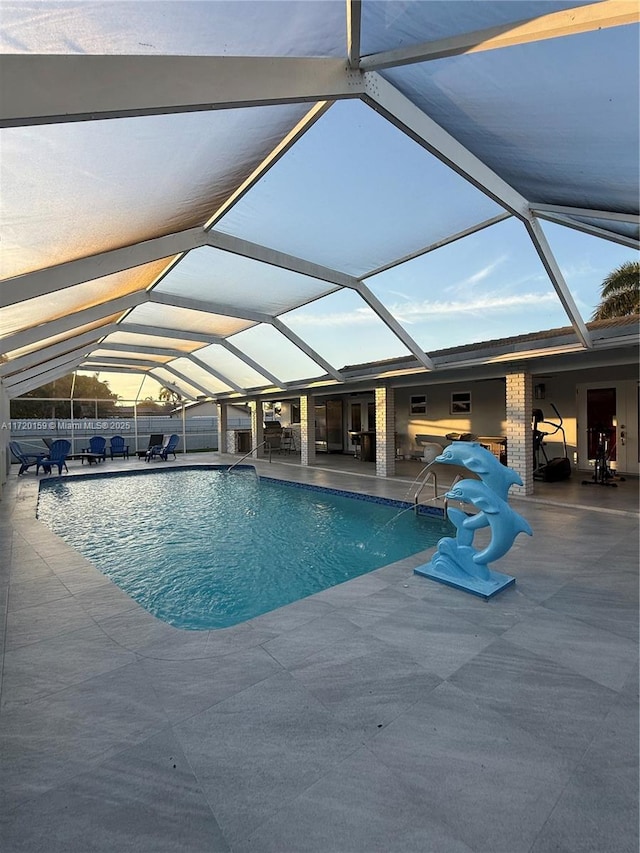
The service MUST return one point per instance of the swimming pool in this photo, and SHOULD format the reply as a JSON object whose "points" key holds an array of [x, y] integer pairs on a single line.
{"points": [[203, 548]]}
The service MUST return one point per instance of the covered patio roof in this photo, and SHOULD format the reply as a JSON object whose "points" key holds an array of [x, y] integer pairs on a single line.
{"points": [[245, 197]]}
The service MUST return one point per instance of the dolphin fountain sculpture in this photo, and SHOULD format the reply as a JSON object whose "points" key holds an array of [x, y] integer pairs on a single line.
{"points": [[480, 461], [456, 562]]}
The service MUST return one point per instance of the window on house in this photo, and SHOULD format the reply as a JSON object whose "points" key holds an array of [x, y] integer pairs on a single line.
{"points": [[460, 403], [418, 404]]}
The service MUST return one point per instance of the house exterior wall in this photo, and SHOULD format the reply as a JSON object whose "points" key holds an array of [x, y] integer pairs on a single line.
{"points": [[487, 416], [488, 413]]}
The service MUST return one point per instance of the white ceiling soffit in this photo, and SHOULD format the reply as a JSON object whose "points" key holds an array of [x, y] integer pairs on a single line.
{"points": [[263, 200]]}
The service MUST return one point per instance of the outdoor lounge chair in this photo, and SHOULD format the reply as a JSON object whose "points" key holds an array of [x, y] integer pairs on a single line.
{"points": [[156, 438], [117, 447], [57, 456], [97, 447], [26, 460], [162, 451]]}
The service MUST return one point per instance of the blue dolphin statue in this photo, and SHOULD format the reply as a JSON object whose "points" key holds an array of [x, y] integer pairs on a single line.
{"points": [[479, 460], [494, 512]]}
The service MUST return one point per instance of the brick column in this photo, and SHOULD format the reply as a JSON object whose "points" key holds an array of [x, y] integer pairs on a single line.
{"points": [[385, 432], [257, 427], [307, 430], [519, 406], [222, 428]]}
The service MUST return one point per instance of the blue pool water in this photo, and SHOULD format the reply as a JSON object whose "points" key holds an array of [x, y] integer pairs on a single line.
{"points": [[207, 549]]}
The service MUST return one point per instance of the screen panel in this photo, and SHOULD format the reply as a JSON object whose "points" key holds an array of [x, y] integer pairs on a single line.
{"points": [[282, 358], [557, 119], [388, 24], [73, 190], [356, 193], [345, 330], [201, 28], [168, 316], [230, 365], [489, 285], [69, 300], [224, 278]]}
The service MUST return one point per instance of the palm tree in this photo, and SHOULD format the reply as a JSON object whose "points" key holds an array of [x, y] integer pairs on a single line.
{"points": [[620, 295], [168, 395]]}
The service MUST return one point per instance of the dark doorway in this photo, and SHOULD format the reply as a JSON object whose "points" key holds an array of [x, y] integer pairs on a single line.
{"points": [[601, 421]]}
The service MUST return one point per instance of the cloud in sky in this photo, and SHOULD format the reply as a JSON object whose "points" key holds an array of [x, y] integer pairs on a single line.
{"points": [[480, 275], [415, 312], [483, 305]]}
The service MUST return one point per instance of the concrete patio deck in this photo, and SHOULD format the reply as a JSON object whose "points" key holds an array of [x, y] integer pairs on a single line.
{"points": [[388, 714]]}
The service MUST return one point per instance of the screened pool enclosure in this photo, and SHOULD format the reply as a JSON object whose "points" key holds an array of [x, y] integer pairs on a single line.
{"points": [[253, 198]]}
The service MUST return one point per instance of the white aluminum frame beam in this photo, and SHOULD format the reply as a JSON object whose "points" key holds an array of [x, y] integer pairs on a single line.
{"points": [[143, 363], [306, 349], [80, 343], [316, 112], [284, 261], [254, 364], [557, 279], [49, 88], [200, 363], [58, 277], [162, 332], [578, 19], [446, 241], [208, 307], [51, 279], [66, 363], [630, 218], [104, 310], [237, 246], [143, 350], [354, 29], [593, 230], [389, 320], [171, 386], [405, 115], [27, 385], [19, 338], [207, 391], [401, 112]]}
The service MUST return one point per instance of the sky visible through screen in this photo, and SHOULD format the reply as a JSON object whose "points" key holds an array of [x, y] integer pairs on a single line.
{"points": [[354, 194], [488, 286]]}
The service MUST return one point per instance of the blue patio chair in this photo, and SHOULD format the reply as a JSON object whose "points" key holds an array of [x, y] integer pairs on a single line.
{"points": [[57, 456], [170, 447], [26, 460], [117, 447], [97, 447], [169, 444]]}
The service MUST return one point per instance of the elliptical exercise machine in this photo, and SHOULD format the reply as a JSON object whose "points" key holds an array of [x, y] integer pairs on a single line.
{"points": [[549, 470], [602, 473]]}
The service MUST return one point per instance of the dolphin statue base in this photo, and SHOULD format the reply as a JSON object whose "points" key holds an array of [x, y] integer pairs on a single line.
{"points": [[485, 587]]}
